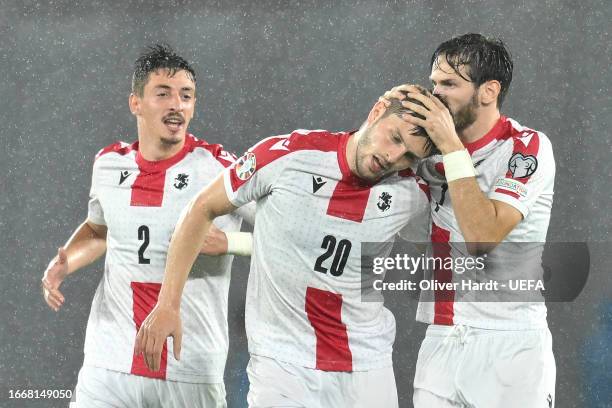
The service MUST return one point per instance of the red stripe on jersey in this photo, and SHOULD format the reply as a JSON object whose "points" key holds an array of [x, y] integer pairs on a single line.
{"points": [[499, 131], [224, 157], [324, 310], [118, 147], [349, 200], [148, 188], [444, 299], [351, 194], [506, 192], [275, 147], [144, 297]]}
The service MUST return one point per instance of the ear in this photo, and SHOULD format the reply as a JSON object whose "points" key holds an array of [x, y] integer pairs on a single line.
{"points": [[376, 112], [489, 91], [134, 102]]}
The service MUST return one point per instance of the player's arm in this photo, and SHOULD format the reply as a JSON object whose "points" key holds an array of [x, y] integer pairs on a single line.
{"points": [[87, 243], [187, 240], [218, 242], [483, 222]]}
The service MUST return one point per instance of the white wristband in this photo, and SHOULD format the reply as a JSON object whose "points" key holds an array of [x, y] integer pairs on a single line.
{"points": [[239, 243], [458, 165]]}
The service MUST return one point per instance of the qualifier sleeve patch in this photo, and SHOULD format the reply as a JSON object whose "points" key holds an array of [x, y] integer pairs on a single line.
{"points": [[522, 166], [511, 185]]}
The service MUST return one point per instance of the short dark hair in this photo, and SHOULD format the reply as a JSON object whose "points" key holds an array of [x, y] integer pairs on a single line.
{"points": [[396, 108], [154, 57], [486, 59]]}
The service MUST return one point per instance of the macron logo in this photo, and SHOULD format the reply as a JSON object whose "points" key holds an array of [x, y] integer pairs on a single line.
{"points": [[281, 145], [317, 183], [124, 175]]}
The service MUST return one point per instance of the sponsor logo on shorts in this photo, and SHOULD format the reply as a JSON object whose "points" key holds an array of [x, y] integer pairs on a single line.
{"points": [[245, 166], [512, 186]]}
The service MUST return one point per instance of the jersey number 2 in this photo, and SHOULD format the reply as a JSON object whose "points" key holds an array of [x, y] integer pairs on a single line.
{"points": [[143, 235], [340, 253]]}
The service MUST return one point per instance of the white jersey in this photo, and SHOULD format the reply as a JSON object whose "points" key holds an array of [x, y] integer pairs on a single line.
{"points": [[515, 165], [304, 302], [140, 202]]}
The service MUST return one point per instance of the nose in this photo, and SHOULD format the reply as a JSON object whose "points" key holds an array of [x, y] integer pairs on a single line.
{"points": [[176, 102], [395, 154]]}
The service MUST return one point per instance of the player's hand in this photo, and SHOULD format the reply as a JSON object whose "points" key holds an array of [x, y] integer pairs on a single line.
{"points": [[162, 322], [52, 279], [438, 120], [215, 242], [397, 92]]}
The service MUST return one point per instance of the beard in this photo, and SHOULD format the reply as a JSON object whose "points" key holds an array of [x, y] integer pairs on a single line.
{"points": [[364, 141], [361, 157], [465, 115], [170, 141]]}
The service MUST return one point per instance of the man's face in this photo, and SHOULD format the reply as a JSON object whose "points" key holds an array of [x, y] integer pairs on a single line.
{"points": [[386, 146], [459, 95], [166, 106]]}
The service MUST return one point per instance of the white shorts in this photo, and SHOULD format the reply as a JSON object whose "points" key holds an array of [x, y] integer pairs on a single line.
{"points": [[278, 384], [99, 387], [461, 366]]}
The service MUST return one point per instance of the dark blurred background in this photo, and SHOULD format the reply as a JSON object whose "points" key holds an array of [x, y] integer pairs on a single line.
{"points": [[265, 68]]}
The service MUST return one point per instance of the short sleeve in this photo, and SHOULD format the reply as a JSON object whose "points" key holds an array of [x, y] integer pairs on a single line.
{"points": [[95, 213], [528, 174], [254, 174]]}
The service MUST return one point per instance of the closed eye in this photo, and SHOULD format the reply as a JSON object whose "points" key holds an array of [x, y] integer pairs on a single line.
{"points": [[411, 156], [397, 138]]}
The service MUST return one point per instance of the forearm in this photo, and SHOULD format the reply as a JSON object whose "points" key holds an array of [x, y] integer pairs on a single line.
{"points": [[84, 247], [476, 214], [186, 242]]}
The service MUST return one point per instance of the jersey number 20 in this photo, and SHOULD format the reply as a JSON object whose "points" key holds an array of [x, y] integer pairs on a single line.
{"points": [[340, 253]]}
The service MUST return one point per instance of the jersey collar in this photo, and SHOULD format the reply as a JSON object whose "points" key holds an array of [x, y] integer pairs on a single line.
{"points": [[495, 133], [163, 165]]}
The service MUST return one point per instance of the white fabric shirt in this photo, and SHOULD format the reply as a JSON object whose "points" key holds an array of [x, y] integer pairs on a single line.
{"points": [[515, 165], [303, 301], [140, 202]]}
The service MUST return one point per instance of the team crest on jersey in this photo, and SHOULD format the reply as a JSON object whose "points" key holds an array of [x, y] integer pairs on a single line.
{"points": [[522, 166], [181, 181], [384, 201], [245, 166]]}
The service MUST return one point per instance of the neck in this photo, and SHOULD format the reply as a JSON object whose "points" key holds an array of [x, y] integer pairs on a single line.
{"points": [[351, 151], [157, 150], [485, 122]]}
